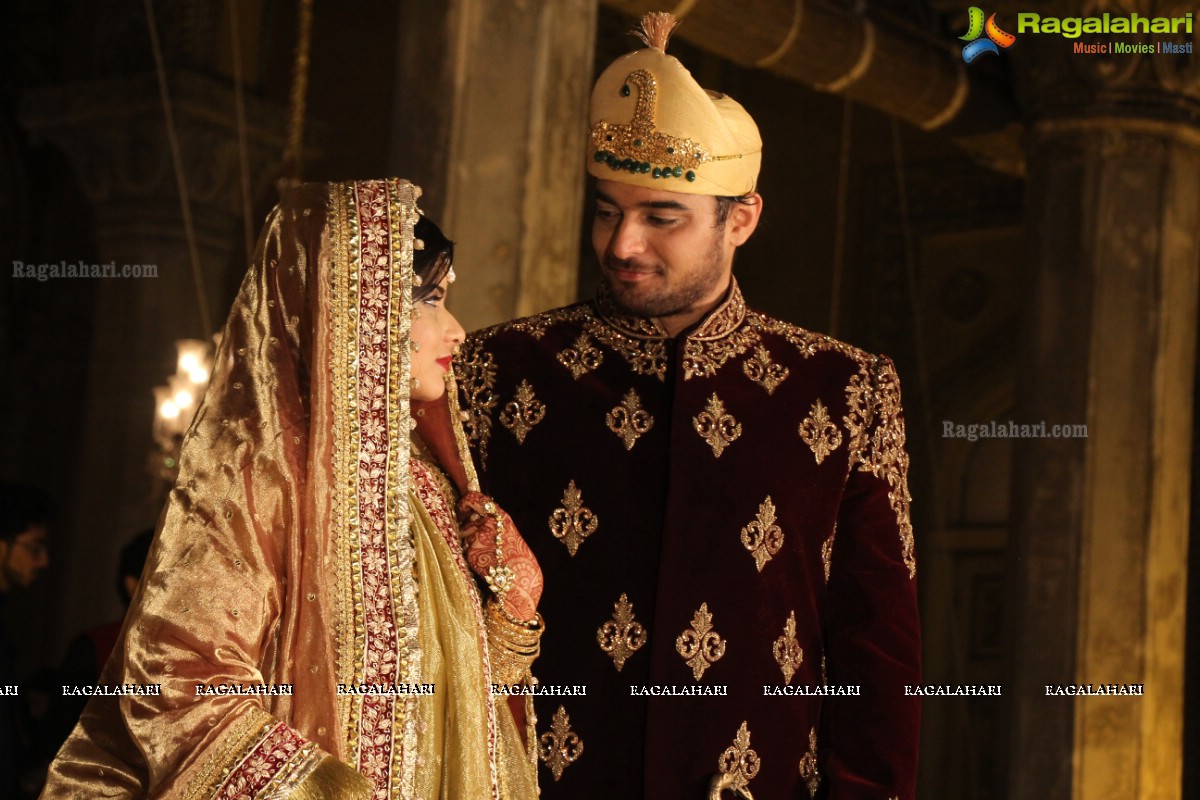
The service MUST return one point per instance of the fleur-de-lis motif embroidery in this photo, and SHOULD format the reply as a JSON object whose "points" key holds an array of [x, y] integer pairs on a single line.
{"points": [[827, 553], [716, 427], [559, 747], [808, 765], [819, 433], [786, 650], [574, 522], [763, 371], [629, 420], [582, 357], [523, 412], [621, 636], [762, 537], [739, 762], [700, 645]]}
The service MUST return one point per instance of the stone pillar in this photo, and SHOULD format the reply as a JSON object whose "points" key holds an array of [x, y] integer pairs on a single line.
{"points": [[1101, 523], [490, 118]]}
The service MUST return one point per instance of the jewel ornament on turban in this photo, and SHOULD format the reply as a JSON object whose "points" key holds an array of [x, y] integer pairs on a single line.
{"points": [[654, 126]]}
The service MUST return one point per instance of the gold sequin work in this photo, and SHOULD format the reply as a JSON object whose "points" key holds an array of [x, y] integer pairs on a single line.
{"points": [[716, 427], [621, 636], [808, 765], [762, 537], [827, 553], [786, 650], [522, 412], [638, 140], [560, 746], [475, 373], [582, 357], [720, 337], [876, 426], [819, 433], [763, 371], [573, 522], [700, 646], [645, 356], [629, 420], [739, 762]]}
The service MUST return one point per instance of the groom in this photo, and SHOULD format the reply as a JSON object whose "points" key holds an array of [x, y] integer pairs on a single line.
{"points": [[718, 498]]}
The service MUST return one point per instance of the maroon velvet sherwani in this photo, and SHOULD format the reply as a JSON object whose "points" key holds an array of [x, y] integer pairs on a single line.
{"points": [[722, 520]]}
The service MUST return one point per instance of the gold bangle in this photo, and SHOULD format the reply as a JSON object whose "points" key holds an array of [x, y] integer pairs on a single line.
{"points": [[500, 620], [512, 646]]}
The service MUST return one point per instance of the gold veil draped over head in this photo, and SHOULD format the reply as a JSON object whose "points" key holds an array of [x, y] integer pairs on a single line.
{"points": [[305, 548]]}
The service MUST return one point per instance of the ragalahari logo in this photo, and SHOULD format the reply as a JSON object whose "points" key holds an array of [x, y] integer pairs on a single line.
{"points": [[995, 40]]}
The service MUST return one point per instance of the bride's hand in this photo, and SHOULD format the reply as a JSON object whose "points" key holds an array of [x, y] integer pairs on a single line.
{"points": [[478, 530]]}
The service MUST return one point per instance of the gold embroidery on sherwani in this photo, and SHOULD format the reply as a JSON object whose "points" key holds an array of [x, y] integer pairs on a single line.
{"points": [[720, 337], [641, 341], [786, 650], [807, 342], [874, 399], [645, 356], [819, 432], [700, 646], [739, 762], [535, 326], [574, 522], [559, 747], [716, 427], [629, 420], [763, 371], [475, 373], [522, 412], [808, 765], [703, 357], [827, 553], [621, 636], [762, 537], [582, 357]]}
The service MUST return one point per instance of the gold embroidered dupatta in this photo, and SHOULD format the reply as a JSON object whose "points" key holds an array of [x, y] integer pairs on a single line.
{"points": [[303, 547]]}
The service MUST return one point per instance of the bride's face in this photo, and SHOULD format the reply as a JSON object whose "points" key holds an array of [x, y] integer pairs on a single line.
{"points": [[435, 334]]}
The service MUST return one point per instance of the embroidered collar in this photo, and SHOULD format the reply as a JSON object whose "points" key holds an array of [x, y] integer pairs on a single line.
{"points": [[722, 321]]}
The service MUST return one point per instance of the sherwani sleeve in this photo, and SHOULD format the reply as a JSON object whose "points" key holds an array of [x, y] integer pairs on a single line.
{"points": [[216, 588], [873, 631]]}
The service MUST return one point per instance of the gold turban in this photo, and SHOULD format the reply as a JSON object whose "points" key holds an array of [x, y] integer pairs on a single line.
{"points": [[654, 126], [307, 548]]}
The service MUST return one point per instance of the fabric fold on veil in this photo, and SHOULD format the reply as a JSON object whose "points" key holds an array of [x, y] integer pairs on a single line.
{"points": [[303, 547]]}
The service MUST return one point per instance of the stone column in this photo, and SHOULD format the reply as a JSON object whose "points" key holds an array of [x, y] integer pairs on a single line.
{"points": [[490, 118], [1101, 523]]}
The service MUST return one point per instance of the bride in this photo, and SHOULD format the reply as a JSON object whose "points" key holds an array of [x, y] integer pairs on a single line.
{"points": [[329, 599]]}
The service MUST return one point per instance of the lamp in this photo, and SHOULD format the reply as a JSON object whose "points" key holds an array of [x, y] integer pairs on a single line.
{"points": [[176, 402]]}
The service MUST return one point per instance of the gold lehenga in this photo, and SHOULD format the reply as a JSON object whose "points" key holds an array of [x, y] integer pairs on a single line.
{"points": [[305, 547]]}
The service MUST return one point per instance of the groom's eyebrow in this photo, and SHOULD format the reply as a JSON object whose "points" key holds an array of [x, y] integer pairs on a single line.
{"points": [[673, 205]]}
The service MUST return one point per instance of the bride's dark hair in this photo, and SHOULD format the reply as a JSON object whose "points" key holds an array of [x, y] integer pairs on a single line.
{"points": [[432, 261]]}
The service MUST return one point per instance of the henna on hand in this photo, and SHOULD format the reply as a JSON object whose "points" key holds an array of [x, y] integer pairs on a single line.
{"points": [[478, 529]]}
